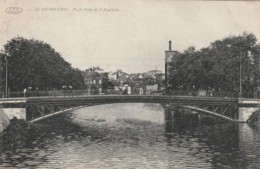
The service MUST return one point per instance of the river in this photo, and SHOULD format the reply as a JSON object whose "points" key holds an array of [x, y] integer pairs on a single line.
{"points": [[135, 136]]}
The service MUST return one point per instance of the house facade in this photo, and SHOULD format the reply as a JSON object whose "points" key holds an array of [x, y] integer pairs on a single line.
{"points": [[97, 83]]}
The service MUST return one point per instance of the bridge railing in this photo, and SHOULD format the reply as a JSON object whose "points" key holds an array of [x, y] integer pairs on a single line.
{"points": [[49, 93], [201, 93], [214, 93], [205, 93]]}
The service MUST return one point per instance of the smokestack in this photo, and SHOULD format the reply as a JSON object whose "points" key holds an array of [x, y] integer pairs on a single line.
{"points": [[170, 45]]}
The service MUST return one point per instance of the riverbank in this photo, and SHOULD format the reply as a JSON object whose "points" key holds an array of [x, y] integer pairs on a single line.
{"points": [[254, 120], [6, 114]]}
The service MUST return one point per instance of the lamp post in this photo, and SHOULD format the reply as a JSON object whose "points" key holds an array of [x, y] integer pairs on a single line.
{"points": [[6, 76], [240, 67], [240, 76]]}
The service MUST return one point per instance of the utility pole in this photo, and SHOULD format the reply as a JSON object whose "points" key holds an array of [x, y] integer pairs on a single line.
{"points": [[240, 68]]}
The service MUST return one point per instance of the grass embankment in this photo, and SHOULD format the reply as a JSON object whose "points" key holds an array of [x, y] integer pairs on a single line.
{"points": [[16, 134], [20, 134]]}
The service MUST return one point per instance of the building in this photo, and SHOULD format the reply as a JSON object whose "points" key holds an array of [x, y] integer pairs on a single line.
{"points": [[93, 81], [169, 56], [127, 89], [121, 77], [118, 78], [112, 76], [150, 89], [97, 83], [138, 84]]}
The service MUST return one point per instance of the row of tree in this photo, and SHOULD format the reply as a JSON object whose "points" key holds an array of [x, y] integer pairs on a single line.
{"points": [[35, 64], [217, 67]]}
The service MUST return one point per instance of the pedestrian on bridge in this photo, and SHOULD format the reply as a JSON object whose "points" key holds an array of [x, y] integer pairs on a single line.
{"points": [[24, 92], [71, 88]]}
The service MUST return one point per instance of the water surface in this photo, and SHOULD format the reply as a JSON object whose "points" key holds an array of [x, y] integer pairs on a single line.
{"points": [[135, 136]]}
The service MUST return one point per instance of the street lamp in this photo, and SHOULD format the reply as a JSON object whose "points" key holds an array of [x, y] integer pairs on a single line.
{"points": [[6, 76], [240, 76], [240, 68]]}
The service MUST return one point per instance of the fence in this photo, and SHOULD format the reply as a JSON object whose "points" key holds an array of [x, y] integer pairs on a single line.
{"points": [[49, 93], [57, 93], [215, 93]]}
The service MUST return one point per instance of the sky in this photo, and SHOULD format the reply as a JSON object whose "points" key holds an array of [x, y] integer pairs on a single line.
{"points": [[130, 35]]}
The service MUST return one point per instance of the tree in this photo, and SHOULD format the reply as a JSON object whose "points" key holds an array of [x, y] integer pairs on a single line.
{"points": [[36, 64], [217, 67]]}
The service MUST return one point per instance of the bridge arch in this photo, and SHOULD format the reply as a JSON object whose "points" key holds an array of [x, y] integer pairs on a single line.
{"points": [[193, 108], [207, 112], [216, 106]]}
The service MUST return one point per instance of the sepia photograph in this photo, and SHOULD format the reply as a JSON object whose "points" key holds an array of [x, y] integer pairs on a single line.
{"points": [[134, 84]]}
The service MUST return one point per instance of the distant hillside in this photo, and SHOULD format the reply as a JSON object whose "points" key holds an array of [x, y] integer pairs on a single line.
{"points": [[154, 72]]}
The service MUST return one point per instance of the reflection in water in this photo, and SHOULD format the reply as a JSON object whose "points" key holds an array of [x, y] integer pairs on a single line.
{"points": [[136, 136], [179, 119]]}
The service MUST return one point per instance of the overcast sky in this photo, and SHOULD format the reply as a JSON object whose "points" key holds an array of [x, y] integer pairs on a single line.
{"points": [[133, 36]]}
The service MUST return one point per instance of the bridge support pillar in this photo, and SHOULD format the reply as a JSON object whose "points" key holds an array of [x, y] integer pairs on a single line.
{"points": [[169, 119], [19, 113], [29, 113], [244, 113]]}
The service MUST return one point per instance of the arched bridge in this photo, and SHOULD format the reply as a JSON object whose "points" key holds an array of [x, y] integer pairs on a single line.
{"points": [[43, 107]]}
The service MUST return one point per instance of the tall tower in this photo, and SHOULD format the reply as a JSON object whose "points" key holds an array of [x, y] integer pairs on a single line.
{"points": [[169, 55]]}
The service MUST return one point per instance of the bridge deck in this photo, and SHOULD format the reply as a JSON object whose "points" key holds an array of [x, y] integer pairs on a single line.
{"points": [[119, 99], [81, 100], [47, 106]]}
